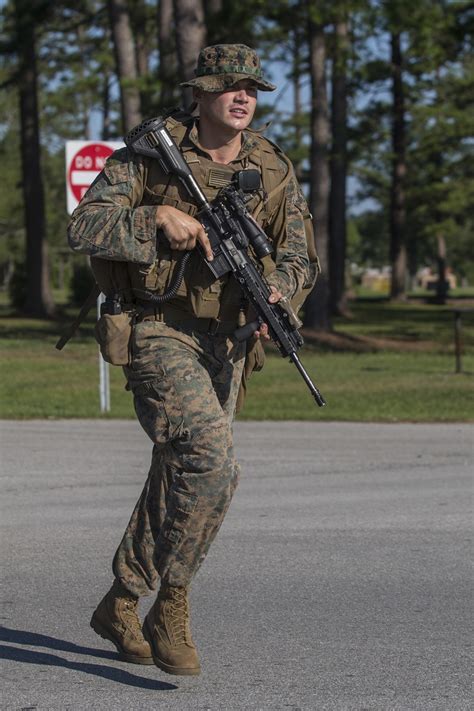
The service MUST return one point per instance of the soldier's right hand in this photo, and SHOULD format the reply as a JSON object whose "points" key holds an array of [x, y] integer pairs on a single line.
{"points": [[181, 230]]}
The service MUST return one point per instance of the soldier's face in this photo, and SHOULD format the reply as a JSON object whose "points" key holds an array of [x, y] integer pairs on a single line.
{"points": [[233, 108]]}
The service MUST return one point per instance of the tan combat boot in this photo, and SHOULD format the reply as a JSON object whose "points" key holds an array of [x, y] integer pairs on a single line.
{"points": [[116, 619], [167, 630]]}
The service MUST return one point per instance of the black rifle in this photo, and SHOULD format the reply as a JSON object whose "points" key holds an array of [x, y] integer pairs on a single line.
{"points": [[231, 230]]}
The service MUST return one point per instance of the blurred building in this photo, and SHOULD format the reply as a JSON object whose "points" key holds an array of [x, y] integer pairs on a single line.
{"points": [[427, 279]]}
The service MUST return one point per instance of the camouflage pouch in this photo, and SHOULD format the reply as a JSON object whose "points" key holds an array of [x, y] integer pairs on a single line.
{"points": [[254, 361], [113, 333]]}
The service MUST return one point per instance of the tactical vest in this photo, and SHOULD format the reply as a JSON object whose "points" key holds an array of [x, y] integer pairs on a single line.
{"points": [[199, 294]]}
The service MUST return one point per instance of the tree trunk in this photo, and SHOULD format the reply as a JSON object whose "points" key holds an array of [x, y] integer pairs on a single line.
{"points": [[168, 61], [38, 298], [106, 107], [398, 255], [213, 14], [441, 285], [142, 56], [138, 13], [190, 39], [83, 108], [297, 40], [317, 304], [125, 59], [213, 7], [337, 199]]}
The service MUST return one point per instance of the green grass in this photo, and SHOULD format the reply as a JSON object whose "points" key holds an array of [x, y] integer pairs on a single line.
{"points": [[381, 387], [393, 384], [460, 292], [409, 322], [40, 381]]}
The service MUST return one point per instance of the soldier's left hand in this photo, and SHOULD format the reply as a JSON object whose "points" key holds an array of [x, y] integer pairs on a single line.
{"points": [[274, 298]]}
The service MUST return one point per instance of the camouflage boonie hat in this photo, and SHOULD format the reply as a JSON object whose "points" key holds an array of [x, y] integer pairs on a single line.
{"points": [[222, 65]]}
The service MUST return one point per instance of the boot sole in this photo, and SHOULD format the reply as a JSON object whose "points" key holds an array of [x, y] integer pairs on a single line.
{"points": [[168, 668], [105, 634]]}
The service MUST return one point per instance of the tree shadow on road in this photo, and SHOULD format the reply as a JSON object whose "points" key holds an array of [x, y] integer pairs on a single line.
{"points": [[27, 656]]}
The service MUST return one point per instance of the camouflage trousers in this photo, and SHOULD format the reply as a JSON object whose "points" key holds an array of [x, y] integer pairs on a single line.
{"points": [[185, 386]]}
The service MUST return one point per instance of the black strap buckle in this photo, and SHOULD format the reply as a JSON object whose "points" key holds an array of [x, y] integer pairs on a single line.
{"points": [[214, 324]]}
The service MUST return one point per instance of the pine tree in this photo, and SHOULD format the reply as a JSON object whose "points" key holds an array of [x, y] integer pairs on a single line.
{"points": [[126, 62], [191, 37], [317, 310], [338, 162], [26, 18]]}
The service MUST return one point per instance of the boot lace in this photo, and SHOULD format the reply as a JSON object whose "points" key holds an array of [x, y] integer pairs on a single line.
{"points": [[179, 615], [130, 616]]}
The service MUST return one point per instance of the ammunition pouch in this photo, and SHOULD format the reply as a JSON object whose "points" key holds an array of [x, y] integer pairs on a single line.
{"points": [[113, 333], [254, 361]]}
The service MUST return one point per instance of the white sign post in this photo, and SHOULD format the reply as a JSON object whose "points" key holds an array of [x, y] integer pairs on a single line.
{"points": [[84, 161]]}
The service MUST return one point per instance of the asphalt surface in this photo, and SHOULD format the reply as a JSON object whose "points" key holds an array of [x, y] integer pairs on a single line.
{"points": [[340, 578]]}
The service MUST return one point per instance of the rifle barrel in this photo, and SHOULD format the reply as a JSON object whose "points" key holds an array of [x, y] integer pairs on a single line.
{"points": [[314, 390]]}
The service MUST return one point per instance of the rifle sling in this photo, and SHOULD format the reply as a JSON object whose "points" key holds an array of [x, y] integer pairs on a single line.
{"points": [[85, 308]]}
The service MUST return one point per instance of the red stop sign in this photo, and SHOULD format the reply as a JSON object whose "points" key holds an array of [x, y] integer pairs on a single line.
{"points": [[85, 166]]}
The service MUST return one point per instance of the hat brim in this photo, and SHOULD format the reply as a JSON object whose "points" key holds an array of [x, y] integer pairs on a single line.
{"points": [[221, 82]]}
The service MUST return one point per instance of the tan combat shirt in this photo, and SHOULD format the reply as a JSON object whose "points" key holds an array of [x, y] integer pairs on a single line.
{"points": [[116, 220]]}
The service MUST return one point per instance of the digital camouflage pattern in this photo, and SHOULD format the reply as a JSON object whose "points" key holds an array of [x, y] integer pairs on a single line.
{"points": [[222, 65], [111, 222], [116, 219], [185, 386], [294, 270]]}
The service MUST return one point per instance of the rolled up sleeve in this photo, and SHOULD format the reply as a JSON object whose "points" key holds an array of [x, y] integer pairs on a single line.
{"points": [[109, 222], [287, 231]]}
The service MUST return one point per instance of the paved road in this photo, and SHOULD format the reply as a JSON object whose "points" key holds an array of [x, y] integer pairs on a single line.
{"points": [[339, 580]]}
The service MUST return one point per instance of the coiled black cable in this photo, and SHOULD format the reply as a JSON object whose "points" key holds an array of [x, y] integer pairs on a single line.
{"points": [[173, 290]]}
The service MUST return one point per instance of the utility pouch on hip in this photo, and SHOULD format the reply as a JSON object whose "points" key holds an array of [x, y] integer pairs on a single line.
{"points": [[254, 361], [113, 333]]}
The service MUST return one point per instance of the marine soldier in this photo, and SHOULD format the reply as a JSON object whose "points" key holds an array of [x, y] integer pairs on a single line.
{"points": [[183, 365]]}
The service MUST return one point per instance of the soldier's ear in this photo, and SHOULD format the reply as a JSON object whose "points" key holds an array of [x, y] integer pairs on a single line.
{"points": [[197, 93]]}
